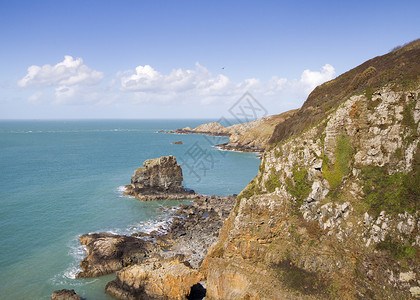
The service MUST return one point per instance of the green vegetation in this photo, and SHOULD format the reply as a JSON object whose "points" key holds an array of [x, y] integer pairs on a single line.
{"points": [[300, 187], [369, 93], [394, 193], [273, 181], [343, 155], [408, 119], [398, 153], [396, 248], [218, 250], [251, 189], [262, 166]]}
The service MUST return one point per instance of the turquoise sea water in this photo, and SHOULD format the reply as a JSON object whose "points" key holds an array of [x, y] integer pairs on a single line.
{"points": [[61, 179]]}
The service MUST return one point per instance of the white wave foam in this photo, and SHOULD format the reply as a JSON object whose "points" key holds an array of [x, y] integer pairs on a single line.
{"points": [[121, 188]]}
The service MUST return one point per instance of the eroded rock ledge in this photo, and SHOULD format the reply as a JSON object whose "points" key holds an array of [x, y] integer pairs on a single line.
{"points": [[159, 179]]}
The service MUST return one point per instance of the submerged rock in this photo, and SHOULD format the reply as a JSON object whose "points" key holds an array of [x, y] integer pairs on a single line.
{"points": [[65, 294], [159, 179]]}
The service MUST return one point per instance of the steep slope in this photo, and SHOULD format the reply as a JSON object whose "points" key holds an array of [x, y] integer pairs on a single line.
{"points": [[400, 68], [334, 209]]}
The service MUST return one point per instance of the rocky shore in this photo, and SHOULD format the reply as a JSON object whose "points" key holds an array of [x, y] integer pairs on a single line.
{"points": [[164, 264], [159, 179]]}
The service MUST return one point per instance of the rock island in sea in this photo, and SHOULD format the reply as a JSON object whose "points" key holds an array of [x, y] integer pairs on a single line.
{"points": [[159, 179]]}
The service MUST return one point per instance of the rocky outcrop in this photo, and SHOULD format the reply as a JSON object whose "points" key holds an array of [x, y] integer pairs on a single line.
{"points": [[159, 179], [334, 210], [174, 272], [170, 279], [65, 294], [107, 253], [253, 136], [213, 128], [247, 137], [196, 227]]}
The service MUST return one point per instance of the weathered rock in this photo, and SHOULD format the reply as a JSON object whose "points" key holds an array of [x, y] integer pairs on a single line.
{"points": [[154, 280], [107, 253], [65, 294], [159, 179], [197, 227]]}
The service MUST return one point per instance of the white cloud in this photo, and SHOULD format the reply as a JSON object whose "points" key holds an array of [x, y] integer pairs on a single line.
{"points": [[67, 82], [147, 84], [311, 79], [68, 72], [200, 81], [72, 82]]}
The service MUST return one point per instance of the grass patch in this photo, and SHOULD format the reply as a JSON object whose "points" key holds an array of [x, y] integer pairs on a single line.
{"points": [[408, 119], [299, 187], [273, 181], [369, 93], [397, 249], [343, 155], [218, 251], [394, 193]]}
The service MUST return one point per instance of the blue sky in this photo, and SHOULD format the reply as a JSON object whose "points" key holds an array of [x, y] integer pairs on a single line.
{"points": [[183, 59]]}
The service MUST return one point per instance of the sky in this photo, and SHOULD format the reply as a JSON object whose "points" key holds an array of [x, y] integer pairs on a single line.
{"points": [[139, 59]]}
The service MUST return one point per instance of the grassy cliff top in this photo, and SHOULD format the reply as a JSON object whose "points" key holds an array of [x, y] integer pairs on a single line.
{"points": [[399, 68]]}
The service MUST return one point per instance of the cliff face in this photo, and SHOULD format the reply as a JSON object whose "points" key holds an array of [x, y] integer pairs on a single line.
{"points": [[334, 209]]}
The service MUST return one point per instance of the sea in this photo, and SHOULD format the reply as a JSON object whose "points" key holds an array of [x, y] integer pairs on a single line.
{"points": [[63, 178]]}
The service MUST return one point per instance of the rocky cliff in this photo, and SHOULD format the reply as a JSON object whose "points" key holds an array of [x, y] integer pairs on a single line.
{"points": [[159, 179], [334, 209], [250, 137]]}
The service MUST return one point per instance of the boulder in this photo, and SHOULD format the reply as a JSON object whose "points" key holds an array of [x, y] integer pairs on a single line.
{"points": [[154, 280], [65, 294], [107, 253]]}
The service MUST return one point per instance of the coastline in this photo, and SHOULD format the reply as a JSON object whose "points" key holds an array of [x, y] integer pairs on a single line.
{"points": [[185, 237]]}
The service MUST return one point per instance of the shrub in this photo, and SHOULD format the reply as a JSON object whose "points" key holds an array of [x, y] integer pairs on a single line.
{"points": [[273, 181], [343, 156], [300, 187], [396, 248]]}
